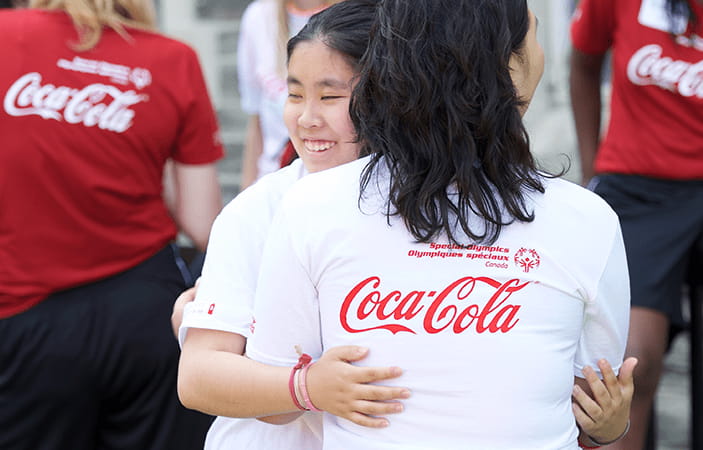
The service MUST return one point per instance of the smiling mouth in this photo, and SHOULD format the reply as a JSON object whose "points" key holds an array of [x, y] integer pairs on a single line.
{"points": [[317, 146]]}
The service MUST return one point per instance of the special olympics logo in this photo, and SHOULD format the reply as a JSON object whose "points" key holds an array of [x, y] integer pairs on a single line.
{"points": [[527, 259]]}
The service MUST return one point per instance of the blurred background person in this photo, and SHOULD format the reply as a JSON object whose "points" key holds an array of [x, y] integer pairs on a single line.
{"points": [[13, 3], [649, 164], [95, 102], [265, 29]]}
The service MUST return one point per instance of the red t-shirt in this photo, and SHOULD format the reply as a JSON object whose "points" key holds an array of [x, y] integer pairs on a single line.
{"points": [[84, 139], [656, 116]]}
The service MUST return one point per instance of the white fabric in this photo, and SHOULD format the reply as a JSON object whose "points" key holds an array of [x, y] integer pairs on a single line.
{"points": [[262, 85], [499, 380], [225, 299], [226, 433]]}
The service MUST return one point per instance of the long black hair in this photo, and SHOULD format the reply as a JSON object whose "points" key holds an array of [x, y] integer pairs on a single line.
{"points": [[343, 27], [436, 103]]}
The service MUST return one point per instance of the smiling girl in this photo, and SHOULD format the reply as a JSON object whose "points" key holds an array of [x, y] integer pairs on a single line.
{"points": [[214, 377]]}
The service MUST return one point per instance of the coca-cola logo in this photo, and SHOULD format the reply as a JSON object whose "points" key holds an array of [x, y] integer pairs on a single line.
{"points": [[101, 105], [478, 303], [648, 66]]}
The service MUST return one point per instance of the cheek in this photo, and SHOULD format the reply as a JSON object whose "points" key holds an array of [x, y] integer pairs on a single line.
{"points": [[540, 62], [345, 128], [290, 118]]}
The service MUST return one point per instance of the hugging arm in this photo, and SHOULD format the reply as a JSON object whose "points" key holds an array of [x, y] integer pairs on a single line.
{"points": [[214, 377]]}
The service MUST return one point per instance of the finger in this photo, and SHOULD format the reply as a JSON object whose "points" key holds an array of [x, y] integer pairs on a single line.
{"points": [[366, 421], [377, 408], [383, 393], [347, 353], [627, 370], [600, 392], [626, 377], [610, 379], [186, 296], [584, 420], [587, 404], [372, 374]]}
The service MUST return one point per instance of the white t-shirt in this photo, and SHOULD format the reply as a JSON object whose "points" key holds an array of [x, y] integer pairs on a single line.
{"points": [[225, 301], [489, 338], [262, 85]]}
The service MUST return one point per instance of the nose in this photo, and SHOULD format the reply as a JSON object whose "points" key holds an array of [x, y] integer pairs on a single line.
{"points": [[310, 116]]}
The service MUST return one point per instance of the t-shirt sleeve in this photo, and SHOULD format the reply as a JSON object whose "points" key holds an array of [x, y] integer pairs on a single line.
{"points": [[225, 296], [593, 25], [286, 308], [199, 140], [606, 320], [249, 89]]}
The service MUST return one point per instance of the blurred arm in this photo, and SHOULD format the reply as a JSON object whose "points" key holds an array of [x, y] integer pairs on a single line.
{"points": [[586, 103], [198, 200], [253, 148]]}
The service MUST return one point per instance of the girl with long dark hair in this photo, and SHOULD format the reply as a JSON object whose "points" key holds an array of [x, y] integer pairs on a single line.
{"points": [[447, 252]]}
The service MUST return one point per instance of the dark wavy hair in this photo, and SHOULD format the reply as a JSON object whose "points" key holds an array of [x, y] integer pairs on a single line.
{"points": [[343, 27], [683, 9], [436, 104]]}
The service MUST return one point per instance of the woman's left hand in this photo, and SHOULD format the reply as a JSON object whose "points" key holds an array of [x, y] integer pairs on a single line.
{"points": [[604, 415]]}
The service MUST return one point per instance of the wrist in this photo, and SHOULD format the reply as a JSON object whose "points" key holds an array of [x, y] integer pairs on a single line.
{"points": [[294, 381], [587, 442], [298, 384]]}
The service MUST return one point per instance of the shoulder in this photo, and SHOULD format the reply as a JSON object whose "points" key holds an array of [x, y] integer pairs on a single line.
{"points": [[569, 203], [161, 46], [264, 196], [26, 21], [335, 185]]}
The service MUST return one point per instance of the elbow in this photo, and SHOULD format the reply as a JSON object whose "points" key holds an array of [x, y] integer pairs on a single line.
{"points": [[186, 388], [185, 394]]}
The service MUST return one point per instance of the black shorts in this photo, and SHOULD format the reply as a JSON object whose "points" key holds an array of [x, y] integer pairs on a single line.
{"points": [[661, 221], [95, 367]]}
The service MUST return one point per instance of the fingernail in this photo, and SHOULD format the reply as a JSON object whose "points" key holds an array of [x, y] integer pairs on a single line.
{"points": [[384, 424], [396, 371], [361, 350], [398, 407], [577, 389], [405, 394]]}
